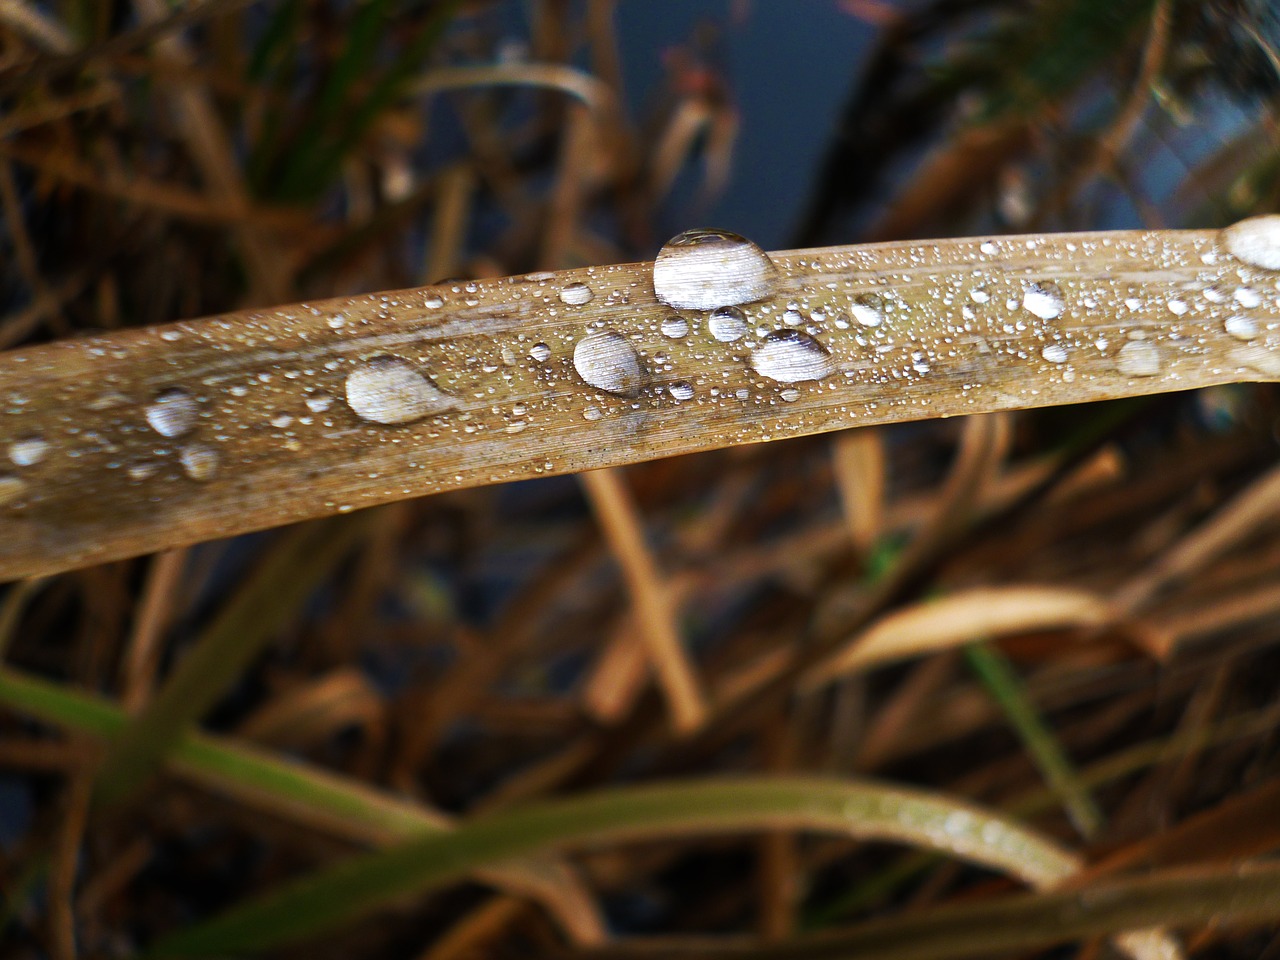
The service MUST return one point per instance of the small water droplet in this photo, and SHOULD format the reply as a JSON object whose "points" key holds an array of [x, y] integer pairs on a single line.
{"points": [[1256, 241], [728, 324], [979, 295], [140, 471], [11, 488], [281, 419], [28, 451], [789, 356], [387, 389], [1177, 307], [706, 269], [1138, 358], [173, 413], [1044, 300], [319, 402], [540, 352], [789, 394], [1055, 353], [199, 461], [1248, 298], [608, 362], [592, 413], [508, 355], [988, 248], [576, 294], [675, 327], [171, 335], [868, 309], [1242, 328], [681, 390]]}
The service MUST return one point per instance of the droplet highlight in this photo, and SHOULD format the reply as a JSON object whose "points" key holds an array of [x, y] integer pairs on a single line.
{"points": [[707, 269], [790, 356], [391, 390]]}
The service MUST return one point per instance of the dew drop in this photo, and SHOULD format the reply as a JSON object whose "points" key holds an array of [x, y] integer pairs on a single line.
{"points": [[1248, 298], [789, 394], [608, 362], [1138, 358], [576, 294], [387, 389], [706, 269], [1055, 353], [1177, 307], [868, 309], [319, 402], [728, 324], [675, 327], [979, 295], [592, 413], [11, 488], [681, 390], [28, 451], [143, 470], [1044, 300], [789, 356], [173, 413], [1256, 241], [1242, 328], [540, 352], [199, 461], [280, 420]]}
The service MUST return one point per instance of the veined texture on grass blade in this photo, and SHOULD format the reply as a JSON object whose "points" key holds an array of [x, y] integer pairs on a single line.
{"points": [[145, 439]]}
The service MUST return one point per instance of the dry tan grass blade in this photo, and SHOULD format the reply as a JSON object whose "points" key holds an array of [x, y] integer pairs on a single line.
{"points": [[146, 439]]}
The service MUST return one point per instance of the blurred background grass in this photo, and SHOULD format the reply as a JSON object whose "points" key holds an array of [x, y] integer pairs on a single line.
{"points": [[475, 650]]}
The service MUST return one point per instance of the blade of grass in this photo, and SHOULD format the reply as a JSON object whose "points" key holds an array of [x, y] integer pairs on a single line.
{"points": [[302, 793], [515, 416], [269, 598], [861, 809], [1000, 680]]}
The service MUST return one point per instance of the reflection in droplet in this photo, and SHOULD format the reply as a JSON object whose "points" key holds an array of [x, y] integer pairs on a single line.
{"points": [[706, 269], [1044, 300], [607, 361], [11, 488], [790, 356], [1256, 241], [681, 390], [868, 309], [1242, 328], [1248, 298], [675, 327], [1055, 353], [173, 413], [540, 352], [199, 461], [576, 294], [728, 324], [387, 389], [1138, 358], [28, 451]]}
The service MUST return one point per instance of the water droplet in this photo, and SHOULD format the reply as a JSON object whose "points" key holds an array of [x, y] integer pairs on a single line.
{"points": [[868, 309], [28, 451], [1177, 307], [681, 390], [728, 324], [789, 356], [319, 402], [789, 394], [706, 269], [988, 248], [1138, 358], [576, 294], [592, 413], [979, 295], [540, 352], [1242, 328], [140, 471], [1248, 298], [11, 488], [281, 420], [1044, 300], [387, 389], [199, 461], [1256, 241], [1055, 353], [608, 362], [675, 327], [173, 413]]}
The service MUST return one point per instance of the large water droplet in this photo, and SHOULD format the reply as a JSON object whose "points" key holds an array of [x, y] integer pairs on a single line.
{"points": [[608, 362], [1044, 300], [1256, 241], [387, 389], [790, 356], [706, 269], [1242, 328], [28, 451], [1138, 358], [173, 413], [727, 324], [199, 461], [576, 294], [868, 309]]}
